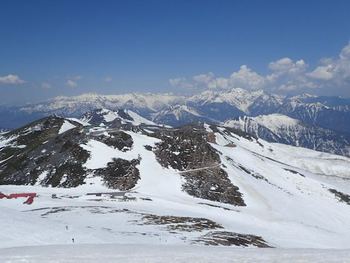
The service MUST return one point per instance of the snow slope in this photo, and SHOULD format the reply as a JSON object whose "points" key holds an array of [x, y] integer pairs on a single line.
{"points": [[240, 98], [283, 129], [294, 198], [171, 254], [66, 126], [106, 116]]}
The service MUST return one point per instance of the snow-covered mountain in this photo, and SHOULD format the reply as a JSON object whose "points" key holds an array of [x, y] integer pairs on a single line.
{"points": [[80, 104], [328, 116], [326, 112], [283, 129], [113, 177], [179, 115], [331, 113], [144, 104], [107, 117]]}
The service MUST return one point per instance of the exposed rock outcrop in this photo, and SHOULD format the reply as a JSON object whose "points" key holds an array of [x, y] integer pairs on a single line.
{"points": [[187, 149], [120, 174]]}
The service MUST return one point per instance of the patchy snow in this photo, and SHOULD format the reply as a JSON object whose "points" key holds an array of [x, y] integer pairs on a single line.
{"points": [[22, 146], [66, 126], [82, 122], [7, 141], [109, 115], [101, 154], [285, 189], [240, 98], [10, 141], [180, 110], [207, 127], [155, 179], [4, 160], [41, 177], [274, 122], [281, 128], [137, 119]]}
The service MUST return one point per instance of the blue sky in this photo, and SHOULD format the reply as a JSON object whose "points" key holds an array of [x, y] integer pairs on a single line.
{"points": [[51, 48]]}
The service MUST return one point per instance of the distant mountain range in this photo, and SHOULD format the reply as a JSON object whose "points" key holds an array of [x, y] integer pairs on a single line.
{"points": [[316, 122], [283, 129]]}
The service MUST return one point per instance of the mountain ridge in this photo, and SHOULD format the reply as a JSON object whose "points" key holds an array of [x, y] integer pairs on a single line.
{"points": [[321, 113], [283, 129]]}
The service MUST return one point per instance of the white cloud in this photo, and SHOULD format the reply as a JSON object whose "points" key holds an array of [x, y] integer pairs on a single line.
{"points": [[287, 66], [345, 53], [341, 65], [205, 80], [285, 75], [107, 79], [246, 78], [334, 73], [46, 85], [11, 80], [289, 75], [181, 83], [73, 82], [222, 83], [322, 72]]}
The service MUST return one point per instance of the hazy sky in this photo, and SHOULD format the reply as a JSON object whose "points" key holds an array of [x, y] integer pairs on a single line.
{"points": [[50, 48]]}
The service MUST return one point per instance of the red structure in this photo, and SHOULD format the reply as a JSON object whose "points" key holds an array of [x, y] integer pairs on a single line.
{"points": [[30, 197]]}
